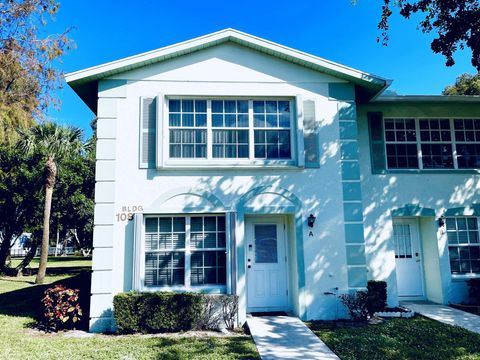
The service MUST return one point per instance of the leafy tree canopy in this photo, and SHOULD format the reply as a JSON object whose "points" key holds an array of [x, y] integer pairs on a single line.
{"points": [[54, 144], [465, 84], [456, 24], [73, 198], [28, 56], [20, 196]]}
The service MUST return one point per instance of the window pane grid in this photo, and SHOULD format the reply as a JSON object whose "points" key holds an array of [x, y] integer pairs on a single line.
{"points": [[188, 128], [463, 245], [165, 241], [227, 129], [164, 268], [438, 143], [401, 143], [230, 143], [208, 267], [230, 113], [402, 241], [467, 137]]}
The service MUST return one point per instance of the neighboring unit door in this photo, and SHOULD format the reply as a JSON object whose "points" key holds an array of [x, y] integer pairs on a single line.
{"points": [[408, 258], [267, 283]]}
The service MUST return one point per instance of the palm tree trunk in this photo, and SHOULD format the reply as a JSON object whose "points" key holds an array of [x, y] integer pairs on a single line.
{"points": [[50, 176]]}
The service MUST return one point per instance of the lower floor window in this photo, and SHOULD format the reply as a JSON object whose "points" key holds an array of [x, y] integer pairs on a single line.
{"points": [[463, 245], [185, 250], [208, 267], [164, 268]]}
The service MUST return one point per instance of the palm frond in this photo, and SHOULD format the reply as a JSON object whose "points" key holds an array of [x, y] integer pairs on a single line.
{"points": [[52, 140]]}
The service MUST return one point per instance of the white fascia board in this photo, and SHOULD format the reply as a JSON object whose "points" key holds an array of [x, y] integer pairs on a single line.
{"points": [[114, 67], [428, 98]]}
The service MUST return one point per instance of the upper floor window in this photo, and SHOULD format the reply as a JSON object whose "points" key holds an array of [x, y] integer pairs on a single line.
{"points": [[188, 128], [432, 143], [230, 129], [467, 136], [271, 122], [463, 245]]}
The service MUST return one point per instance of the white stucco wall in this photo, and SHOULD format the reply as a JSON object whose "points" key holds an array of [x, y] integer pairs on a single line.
{"points": [[225, 70], [384, 192]]}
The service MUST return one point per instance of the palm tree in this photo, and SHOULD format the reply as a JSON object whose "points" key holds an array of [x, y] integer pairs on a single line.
{"points": [[52, 142]]}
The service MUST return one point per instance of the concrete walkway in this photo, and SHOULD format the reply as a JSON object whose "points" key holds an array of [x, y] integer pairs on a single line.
{"points": [[285, 337], [446, 315]]}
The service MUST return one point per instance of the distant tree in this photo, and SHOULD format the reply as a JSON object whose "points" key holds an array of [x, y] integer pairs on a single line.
{"points": [[28, 57], [465, 84], [455, 22], [73, 199], [20, 198], [53, 143]]}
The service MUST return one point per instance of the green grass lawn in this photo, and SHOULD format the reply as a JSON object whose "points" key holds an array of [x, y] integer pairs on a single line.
{"points": [[18, 342], [20, 301], [399, 339]]}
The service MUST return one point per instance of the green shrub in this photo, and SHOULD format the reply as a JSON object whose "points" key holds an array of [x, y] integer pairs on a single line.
{"points": [[170, 312], [356, 304], [474, 291], [376, 296], [127, 312]]}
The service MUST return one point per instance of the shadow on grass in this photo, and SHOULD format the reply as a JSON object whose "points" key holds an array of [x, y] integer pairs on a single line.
{"points": [[58, 270], [26, 302], [241, 347]]}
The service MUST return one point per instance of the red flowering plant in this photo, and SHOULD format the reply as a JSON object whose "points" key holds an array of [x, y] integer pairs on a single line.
{"points": [[61, 308]]}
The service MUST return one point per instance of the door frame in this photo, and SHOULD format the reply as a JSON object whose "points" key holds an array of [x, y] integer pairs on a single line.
{"points": [[250, 221], [416, 222]]}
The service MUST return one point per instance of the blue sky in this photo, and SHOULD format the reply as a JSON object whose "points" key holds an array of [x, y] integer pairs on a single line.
{"points": [[333, 29]]}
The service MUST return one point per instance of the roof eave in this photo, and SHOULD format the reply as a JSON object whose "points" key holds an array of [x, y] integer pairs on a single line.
{"points": [[372, 84], [427, 99]]}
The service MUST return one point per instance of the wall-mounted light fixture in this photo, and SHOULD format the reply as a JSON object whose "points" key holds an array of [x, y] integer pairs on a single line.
{"points": [[311, 220], [441, 221]]}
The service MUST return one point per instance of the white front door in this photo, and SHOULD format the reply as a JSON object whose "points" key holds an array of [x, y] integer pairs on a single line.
{"points": [[267, 282], [408, 258]]}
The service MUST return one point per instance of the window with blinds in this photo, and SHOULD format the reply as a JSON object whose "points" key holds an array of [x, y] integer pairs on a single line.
{"points": [[185, 250], [463, 245], [216, 129]]}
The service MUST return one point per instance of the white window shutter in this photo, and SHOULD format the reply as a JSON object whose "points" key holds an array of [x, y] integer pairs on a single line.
{"points": [[148, 128], [300, 138], [160, 100], [311, 140]]}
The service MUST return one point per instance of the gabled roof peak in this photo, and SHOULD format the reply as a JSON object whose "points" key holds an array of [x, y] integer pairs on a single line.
{"points": [[82, 80]]}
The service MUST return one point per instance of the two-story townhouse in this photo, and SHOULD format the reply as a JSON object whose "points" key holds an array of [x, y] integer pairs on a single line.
{"points": [[231, 164]]}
